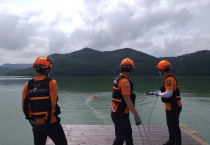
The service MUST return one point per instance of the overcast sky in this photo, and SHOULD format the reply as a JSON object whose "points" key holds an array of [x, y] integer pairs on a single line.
{"points": [[30, 28]]}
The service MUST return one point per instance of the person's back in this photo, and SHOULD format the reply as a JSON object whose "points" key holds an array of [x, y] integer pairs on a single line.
{"points": [[123, 100], [39, 103]]}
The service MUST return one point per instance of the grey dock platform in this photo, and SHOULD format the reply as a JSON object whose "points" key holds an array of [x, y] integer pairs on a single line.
{"points": [[104, 135]]}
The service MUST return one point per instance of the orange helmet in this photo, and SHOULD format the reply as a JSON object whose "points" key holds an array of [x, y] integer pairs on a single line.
{"points": [[127, 61], [163, 64], [43, 62]]}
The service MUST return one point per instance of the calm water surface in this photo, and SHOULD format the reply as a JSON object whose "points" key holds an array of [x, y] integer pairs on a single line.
{"points": [[78, 107]]}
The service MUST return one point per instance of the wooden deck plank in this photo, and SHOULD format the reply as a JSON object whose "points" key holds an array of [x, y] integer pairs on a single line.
{"points": [[104, 135]]}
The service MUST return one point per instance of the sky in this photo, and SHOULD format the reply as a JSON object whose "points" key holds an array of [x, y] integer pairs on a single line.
{"points": [[32, 28]]}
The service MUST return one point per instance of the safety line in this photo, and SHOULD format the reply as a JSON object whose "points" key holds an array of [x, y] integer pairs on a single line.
{"points": [[146, 134], [151, 114], [141, 135]]}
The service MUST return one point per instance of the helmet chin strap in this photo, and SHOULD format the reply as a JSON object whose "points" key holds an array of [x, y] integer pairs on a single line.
{"points": [[48, 73], [163, 72], [160, 73], [42, 71]]}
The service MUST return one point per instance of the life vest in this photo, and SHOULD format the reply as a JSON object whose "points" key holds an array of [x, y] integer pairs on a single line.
{"points": [[175, 99], [39, 99], [118, 102]]}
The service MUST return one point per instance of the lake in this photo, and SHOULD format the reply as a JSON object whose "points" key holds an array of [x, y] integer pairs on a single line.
{"points": [[78, 107]]}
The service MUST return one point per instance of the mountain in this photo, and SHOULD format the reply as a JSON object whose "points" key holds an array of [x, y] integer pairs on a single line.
{"points": [[8, 68], [16, 66], [3, 70], [197, 63], [90, 62]]}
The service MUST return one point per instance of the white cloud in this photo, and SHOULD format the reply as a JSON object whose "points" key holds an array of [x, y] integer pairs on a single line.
{"points": [[157, 27]]}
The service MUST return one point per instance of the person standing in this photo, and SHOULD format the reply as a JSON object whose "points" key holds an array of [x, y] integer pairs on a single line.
{"points": [[170, 95], [39, 104], [123, 101]]}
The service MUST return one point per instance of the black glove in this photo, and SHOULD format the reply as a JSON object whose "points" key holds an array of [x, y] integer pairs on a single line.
{"points": [[33, 123], [137, 119], [157, 94], [40, 128], [150, 93]]}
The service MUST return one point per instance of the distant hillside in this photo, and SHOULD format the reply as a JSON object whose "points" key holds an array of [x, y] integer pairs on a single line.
{"points": [[4, 71], [16, 66], [197, 63], [89, 62], [8, 68]]}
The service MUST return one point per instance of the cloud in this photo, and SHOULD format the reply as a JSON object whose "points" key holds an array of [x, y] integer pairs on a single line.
{"points": [[157, 27]]}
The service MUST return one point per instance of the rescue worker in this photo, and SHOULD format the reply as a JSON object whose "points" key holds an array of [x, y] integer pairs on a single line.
{"points": [[170, 95], [123, 101], [39, 104]]}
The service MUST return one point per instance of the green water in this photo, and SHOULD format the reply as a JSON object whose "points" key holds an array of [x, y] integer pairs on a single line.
{"points": [[78, 108]]}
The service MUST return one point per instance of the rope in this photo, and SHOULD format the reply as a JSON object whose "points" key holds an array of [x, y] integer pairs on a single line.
{"points": [[146, 134], [141, 135], [151, 113]]}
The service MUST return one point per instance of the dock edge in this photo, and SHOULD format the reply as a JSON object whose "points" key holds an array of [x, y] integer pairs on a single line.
{"points": [[194, 134]]}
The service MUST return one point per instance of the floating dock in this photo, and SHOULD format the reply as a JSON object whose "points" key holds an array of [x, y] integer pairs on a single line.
{"points": [[104, 135]]}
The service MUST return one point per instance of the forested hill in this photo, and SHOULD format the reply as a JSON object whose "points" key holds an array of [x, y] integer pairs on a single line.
{"points": [[89, 62], [197, 63], [6, 68]]}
